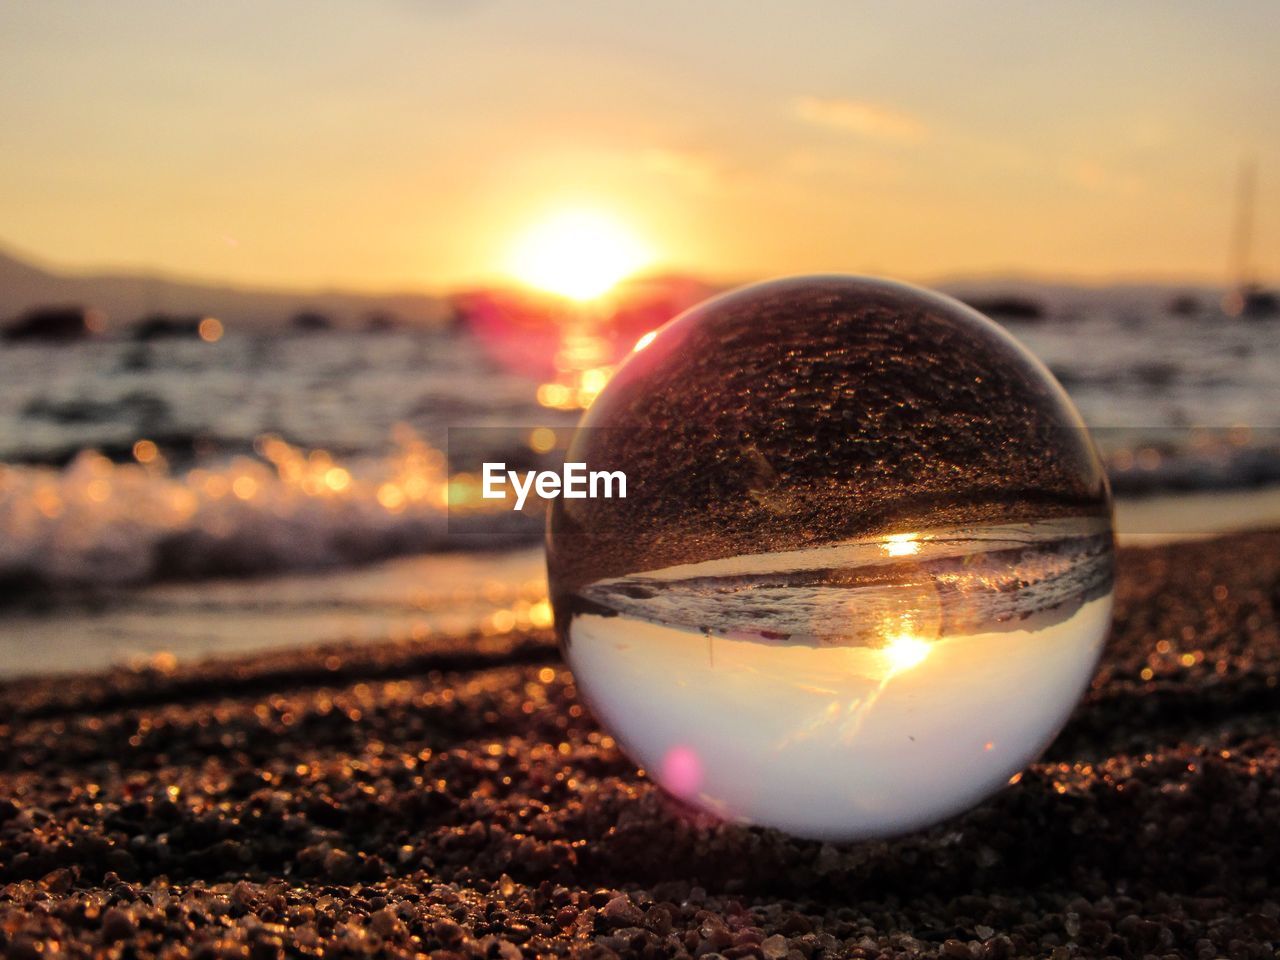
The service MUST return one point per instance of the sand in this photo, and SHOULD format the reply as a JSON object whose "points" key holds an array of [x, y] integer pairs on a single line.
{"points": [[453, 796]]}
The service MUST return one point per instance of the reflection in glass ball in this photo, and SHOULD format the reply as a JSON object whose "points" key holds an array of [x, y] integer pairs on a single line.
{"points": [[863, 570]]}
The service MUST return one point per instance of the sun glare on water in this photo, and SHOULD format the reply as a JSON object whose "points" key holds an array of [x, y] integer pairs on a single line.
{"points": [[577, 253]]}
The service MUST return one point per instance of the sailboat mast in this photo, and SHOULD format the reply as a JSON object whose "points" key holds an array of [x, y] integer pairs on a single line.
{"points": [[1242, 242], [1245, 298]]}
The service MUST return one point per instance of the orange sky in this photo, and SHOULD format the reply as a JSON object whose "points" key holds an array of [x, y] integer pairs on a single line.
{"points": [[397, 143]]}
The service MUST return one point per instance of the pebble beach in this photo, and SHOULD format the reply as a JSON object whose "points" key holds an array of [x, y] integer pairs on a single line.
{"points": [[453, 797]]}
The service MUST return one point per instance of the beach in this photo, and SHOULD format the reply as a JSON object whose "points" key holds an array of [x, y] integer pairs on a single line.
{"points": [[504, 480], [451, 793]]}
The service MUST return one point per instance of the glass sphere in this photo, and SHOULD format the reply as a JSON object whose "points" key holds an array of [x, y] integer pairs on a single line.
{"points": [[863, 569]]}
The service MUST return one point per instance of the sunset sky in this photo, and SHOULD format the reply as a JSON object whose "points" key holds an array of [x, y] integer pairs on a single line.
{"points": [[407, 143]]}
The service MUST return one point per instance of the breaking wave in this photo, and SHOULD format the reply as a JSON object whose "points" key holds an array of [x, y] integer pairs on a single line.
{"points": [[98, 523]]}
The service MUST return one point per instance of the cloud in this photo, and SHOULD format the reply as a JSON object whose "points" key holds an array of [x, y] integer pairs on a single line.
{"points": [[869, 120]]}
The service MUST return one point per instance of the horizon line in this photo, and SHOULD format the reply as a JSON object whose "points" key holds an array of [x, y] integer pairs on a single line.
{"points": [[496, 281]]}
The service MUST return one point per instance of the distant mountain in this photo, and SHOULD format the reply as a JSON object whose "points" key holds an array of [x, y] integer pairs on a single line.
{"points": [[125, 298], [1063, 297]]}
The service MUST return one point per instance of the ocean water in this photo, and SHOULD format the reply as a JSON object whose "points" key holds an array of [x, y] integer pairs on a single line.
{"points": [[269, 453], [124, 463]]}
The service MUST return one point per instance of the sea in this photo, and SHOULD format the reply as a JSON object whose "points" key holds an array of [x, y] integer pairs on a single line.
{"points": [[182, 497]]}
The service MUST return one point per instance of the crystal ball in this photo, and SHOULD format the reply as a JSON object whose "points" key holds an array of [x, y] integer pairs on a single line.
{"points": [[863, 569]]}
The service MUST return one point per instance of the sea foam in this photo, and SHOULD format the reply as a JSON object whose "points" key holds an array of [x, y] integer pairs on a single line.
{"points": [[99, 523]]}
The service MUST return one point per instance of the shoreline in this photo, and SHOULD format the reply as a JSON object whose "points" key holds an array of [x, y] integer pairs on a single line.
{"points": [[404, 597], [408, 596], [1164, 517]]}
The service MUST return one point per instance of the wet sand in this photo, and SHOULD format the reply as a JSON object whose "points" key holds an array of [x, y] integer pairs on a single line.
{"points": [[452, 795]]}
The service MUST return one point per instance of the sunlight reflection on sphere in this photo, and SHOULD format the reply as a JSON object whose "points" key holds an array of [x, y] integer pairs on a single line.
{"points": [[863, 571]]}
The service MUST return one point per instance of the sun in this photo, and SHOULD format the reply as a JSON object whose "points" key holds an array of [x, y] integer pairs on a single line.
{"points": [[904, 651], [577, 253]]}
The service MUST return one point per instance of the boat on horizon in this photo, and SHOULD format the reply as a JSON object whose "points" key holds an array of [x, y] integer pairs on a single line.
{"points": [[1247, 298]]}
